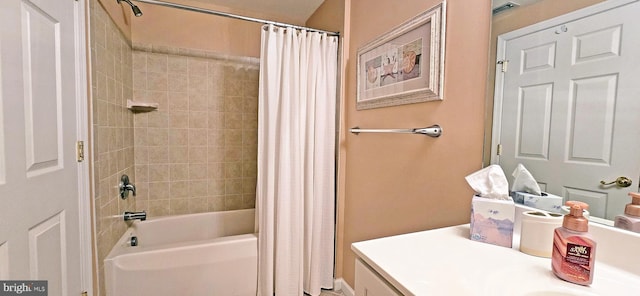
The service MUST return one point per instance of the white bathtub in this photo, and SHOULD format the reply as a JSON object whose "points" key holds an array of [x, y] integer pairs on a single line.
{"points": [[197, 254]]}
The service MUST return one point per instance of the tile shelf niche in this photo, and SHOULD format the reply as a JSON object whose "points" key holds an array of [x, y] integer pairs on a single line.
{"points": [[138, 107]]}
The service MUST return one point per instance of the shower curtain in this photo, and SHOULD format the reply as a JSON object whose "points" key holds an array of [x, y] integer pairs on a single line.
{"points": [[296, 162]]}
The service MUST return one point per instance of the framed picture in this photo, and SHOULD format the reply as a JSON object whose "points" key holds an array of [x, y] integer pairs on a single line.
{"points": [[405, 65]]}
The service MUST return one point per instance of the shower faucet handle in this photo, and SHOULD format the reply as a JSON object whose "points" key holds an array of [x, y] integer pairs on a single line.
{"points": [[125, 186]]}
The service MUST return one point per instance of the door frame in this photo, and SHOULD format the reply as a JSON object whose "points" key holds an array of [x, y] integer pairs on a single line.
{"points": [[501, 52], [82, 132]]}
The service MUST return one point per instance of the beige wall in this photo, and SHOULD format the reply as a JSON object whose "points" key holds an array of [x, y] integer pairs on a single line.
{"points": [[178, 28], [171, 27], [163, 26], [403, 183], [329, 16], [111, 85], [198, 151], [515, 19], [120, 15], [528, 15]]}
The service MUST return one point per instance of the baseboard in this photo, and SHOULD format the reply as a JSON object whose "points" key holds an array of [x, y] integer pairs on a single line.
{"points": [[341, 284]]}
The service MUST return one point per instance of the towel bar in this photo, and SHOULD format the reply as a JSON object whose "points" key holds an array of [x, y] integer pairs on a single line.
{"points": [[431, 131]]}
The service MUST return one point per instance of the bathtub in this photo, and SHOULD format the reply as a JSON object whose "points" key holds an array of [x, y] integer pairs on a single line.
{"points": [[196, 254]]}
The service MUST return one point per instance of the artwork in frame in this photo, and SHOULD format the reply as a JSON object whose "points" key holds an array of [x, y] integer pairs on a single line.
{"points": [[405, 65]]}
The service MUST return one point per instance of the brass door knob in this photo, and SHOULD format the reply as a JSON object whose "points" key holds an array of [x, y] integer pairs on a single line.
{"points": [[620, 182]]}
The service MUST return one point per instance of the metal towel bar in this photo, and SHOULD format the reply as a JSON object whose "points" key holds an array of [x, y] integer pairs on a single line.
{"points": [[431, 131]]}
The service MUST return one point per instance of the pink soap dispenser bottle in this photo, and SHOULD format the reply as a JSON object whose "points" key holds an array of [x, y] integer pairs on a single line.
{"points": [[574, 250], [630, 220]]}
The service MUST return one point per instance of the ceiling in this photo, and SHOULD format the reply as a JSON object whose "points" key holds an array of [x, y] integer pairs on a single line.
{"points": [[296, 10]]}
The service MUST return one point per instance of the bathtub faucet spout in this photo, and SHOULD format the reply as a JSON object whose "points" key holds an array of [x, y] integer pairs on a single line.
{"points": [[129, 216]]}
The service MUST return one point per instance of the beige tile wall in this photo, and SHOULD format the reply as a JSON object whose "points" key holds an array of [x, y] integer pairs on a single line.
{"points": [[198, 151], [111, 84]]}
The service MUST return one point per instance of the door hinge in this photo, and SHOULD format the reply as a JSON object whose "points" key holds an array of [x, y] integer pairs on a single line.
{"points": [[499, 149], [80, 151], [504, 64], [84, 293]]}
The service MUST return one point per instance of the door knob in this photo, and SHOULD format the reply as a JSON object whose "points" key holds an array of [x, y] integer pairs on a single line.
{"points": [[620, 182]]}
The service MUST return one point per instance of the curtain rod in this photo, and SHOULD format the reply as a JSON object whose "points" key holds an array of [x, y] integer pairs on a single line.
{"points": [[235, 16]]}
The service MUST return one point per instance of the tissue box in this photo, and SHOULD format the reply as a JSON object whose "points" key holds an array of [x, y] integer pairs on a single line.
{"points": [[546, 202], [492, 221]]}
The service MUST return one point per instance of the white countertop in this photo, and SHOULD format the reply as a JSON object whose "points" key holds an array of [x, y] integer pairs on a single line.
{"points": [[446, 262]]}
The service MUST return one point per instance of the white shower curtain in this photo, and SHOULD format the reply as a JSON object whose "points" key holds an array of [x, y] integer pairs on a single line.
{"points": [[296, 162]]}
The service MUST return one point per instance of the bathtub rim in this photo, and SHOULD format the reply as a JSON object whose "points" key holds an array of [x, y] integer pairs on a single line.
{"points": [[122, 246], [186, 247]]}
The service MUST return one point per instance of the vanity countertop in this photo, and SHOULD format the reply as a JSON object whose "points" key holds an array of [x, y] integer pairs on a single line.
{"points": [[446, 262]]}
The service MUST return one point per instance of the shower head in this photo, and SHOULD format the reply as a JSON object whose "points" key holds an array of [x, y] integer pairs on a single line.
{"points": [[136, 10]]}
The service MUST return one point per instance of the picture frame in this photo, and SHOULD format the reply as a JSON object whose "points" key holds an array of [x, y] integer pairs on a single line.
{"points": [[405, 65]]}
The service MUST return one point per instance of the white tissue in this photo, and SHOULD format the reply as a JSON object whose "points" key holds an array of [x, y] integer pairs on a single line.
{"points": [[523, 181], [490, 182]]}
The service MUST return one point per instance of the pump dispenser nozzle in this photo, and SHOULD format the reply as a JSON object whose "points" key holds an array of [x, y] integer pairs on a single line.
{"points": [[575, 220], [633, 209]]}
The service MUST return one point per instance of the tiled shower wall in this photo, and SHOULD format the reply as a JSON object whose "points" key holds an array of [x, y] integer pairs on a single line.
{"points": [[111, 85], [197, 152]]}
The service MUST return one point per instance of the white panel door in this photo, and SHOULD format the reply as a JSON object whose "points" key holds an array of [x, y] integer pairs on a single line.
{"points": [[570, 102], [40, 237]]}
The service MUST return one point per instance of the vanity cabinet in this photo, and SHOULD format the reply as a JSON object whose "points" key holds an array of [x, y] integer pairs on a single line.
{"points": [[445, 261], [370, 283]]}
